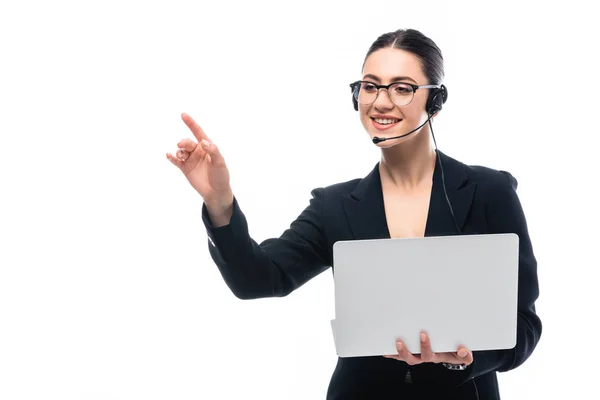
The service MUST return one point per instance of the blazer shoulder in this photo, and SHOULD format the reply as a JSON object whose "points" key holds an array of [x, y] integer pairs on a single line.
{"points": [[490, 178], [336, 189]]}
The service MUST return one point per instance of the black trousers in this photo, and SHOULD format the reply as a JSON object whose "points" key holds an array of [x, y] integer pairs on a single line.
{"points": [[374, 379]]}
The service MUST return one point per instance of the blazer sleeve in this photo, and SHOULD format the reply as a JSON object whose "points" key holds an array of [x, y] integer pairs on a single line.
{"points": [[277, 266], [504, 214]]}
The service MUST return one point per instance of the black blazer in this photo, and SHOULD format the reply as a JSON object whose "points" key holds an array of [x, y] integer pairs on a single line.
{"points": [[484, 201]]}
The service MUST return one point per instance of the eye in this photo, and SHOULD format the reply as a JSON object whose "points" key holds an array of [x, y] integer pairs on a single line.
{"points": [[402, 89], [368, 87]]}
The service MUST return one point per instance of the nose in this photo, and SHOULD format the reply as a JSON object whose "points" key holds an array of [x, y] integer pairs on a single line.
{"points": [[383, 100]]}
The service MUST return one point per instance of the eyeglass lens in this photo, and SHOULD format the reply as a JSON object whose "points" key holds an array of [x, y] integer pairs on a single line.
{"points": [[400, 94]]}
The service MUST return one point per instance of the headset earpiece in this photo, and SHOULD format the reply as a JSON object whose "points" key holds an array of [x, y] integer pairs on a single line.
{"points": [[354, 89], [437, 97]]}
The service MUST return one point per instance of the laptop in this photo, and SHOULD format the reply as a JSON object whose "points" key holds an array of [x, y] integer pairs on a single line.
{"points": [[461, 290]]}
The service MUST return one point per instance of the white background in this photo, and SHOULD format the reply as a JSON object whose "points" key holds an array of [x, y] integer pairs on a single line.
{"points": [[107, 290]]}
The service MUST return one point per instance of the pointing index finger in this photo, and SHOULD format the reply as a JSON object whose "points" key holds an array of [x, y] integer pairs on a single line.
{"points": [[194, 127]]}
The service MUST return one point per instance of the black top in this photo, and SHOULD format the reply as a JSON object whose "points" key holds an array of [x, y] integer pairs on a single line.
{"points": [[484, 201]]}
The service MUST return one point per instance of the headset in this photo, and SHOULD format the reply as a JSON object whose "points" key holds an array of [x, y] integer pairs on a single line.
{"points": [[437, 97]]}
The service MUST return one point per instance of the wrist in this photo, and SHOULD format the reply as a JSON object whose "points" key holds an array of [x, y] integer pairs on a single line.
{"points": [[219, 201], [219, 210], [455, 367]]}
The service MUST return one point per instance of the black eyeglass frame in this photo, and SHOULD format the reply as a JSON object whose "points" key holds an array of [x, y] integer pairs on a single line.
{"points": [[355, 86]]}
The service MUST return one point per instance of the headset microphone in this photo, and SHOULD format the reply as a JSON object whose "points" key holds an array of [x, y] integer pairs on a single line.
{"points": [[377, 139]]}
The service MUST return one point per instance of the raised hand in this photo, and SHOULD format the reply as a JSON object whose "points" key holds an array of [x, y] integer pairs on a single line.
{"points": [[461, 356], [203, 166]]}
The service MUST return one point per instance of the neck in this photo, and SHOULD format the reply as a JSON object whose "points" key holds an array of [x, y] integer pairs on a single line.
{"points": [[410, 164]]}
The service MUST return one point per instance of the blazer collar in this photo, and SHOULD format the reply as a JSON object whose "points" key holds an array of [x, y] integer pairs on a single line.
{"points": [[365, 209]]}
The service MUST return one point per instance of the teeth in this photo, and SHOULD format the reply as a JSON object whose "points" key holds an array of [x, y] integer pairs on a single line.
{"points": [[385, 121]]}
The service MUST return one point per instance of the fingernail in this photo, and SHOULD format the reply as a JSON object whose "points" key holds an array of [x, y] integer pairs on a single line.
{"points": [[206, 142], [462, 353], [400, 346], [423, 337]]}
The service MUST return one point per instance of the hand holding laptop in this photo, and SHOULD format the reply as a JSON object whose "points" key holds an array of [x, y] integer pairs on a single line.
{"points": [[461, 356]]}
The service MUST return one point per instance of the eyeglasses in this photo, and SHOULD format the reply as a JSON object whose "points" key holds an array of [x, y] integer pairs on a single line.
{"points": [[400, 93]]}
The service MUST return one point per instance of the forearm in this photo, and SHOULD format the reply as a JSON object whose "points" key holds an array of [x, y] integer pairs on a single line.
{"points": [[220, 209], [274, 267], [528, 335], [244, 266], [529, 330]]}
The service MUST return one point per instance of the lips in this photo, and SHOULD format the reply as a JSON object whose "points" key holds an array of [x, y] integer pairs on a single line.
{"points": [[385, 123]]}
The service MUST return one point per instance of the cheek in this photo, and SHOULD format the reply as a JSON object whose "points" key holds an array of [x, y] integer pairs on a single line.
{"points": [[363, 113], [413, 112], [415, 109], [366, 121]]}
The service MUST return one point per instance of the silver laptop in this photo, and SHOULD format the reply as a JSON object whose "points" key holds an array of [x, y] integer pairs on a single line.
{"points": [[461, 290]]}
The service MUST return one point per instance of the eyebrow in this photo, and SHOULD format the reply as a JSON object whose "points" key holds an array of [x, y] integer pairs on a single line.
{"points": [[394, 79]]}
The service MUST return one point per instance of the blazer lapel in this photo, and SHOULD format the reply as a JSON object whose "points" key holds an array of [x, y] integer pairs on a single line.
{"points": [[365, 211], [460, 193]]}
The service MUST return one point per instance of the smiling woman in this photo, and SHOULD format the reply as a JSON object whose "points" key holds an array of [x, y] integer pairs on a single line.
{"points": [[414, 191]]}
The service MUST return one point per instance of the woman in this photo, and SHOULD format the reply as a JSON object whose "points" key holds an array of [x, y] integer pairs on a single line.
{"points": [[414, 191]]}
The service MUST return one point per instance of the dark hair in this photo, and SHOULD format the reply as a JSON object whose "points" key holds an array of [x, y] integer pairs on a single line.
{"points": [[418, 44]]}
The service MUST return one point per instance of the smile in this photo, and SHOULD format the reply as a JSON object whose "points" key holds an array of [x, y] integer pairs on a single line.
{"points": [[384, 123]]}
